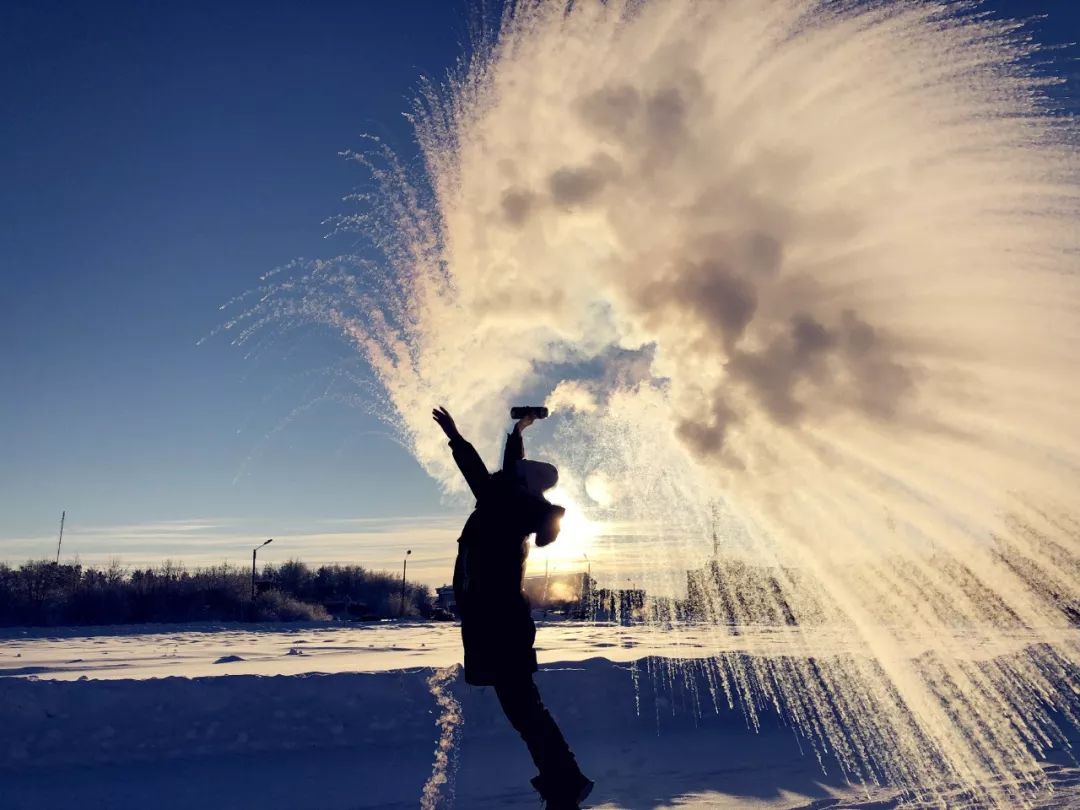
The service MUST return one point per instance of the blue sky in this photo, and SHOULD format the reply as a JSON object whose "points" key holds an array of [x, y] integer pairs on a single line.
{"points": [[157, 158]]}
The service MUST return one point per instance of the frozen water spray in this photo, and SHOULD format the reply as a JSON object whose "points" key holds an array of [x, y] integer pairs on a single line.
{"points": [[801, 274], [439, 788]]}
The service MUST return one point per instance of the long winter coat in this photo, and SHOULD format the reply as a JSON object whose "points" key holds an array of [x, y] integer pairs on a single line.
{"points": [[496, 626]]}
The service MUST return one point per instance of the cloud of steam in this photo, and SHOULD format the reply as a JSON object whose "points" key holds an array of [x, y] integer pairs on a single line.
{"points": [[798, 272], [786, 217]]}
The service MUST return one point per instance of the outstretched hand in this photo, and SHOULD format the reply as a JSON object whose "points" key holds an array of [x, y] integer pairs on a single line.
{"points": [[445, 421], [524, 422]]}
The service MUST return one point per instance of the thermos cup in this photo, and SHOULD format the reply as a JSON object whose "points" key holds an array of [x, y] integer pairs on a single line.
{"points": [[521, 411]]}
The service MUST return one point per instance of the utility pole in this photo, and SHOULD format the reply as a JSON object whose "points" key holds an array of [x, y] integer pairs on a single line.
{"points": [[547, 604], [715, 538], [61, 540], [404, 565]]}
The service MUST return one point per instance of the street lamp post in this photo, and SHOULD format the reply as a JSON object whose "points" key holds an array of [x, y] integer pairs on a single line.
{"points": [[587, 591], [255, 551], [404, 566]]}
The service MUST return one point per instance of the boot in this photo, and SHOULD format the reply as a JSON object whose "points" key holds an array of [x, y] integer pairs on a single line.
{"points": [[563, 792]]}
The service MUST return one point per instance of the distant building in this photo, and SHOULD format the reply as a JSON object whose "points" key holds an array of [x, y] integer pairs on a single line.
{"points": [[445, 599], [626, 605], [570, 593], [735, 592]]}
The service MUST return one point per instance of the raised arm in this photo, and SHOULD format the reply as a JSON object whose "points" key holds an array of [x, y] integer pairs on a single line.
{"points": [[465, 455], [515, 446]]}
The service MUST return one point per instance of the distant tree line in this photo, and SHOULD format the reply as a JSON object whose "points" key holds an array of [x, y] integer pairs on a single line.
{"points": [[42, 592]]}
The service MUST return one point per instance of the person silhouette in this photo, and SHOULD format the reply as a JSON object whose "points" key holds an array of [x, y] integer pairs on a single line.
{"points": [[497, 630]]}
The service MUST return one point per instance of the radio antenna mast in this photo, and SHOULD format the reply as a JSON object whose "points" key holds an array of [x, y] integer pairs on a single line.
{"points": [[61, 540]]}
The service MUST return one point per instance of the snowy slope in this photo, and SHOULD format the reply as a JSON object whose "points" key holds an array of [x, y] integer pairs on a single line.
{"points": [[353, 740], [334, 717]]}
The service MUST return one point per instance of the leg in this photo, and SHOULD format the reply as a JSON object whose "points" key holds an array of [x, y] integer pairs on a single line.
{"points": [[560, 782], [526, 712]]}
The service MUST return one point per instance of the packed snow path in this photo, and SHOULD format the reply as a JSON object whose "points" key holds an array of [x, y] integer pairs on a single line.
{"points": [[651, 735]]}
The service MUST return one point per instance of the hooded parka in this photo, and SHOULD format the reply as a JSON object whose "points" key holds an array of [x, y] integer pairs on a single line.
{"points": [[497, 629]]}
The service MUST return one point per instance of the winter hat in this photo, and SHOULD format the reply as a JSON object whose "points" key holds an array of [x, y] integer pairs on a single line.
{"points": [[537, 476]]}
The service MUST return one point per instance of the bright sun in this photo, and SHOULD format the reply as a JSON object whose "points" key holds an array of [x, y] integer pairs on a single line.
{"points": [[576, 535]]}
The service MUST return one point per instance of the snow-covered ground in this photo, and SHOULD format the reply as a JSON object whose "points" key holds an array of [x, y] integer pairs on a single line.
{"points": [[343, 718], [197, 650]]}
